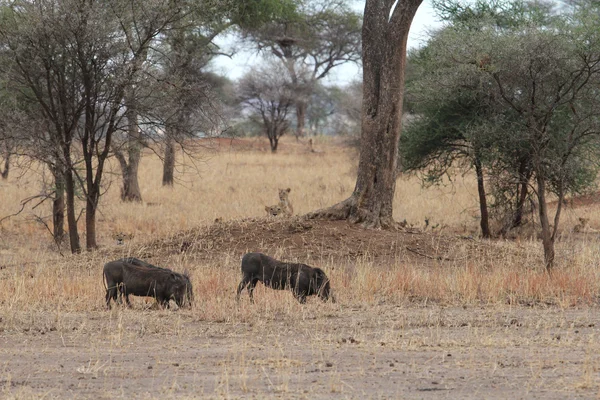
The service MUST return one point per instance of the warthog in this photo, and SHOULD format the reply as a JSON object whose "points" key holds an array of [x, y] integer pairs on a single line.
{"points": [[139, 278], [301, 279]]}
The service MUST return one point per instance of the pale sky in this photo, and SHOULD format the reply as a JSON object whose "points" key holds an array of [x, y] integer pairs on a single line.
{"points": [[243, 60]]}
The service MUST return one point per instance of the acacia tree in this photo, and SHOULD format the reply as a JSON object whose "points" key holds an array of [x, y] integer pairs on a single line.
{"points": [[24, 133], [268, 96], [191, 107], [309, 42], [549, 82], [74, 61], [456, 118], [187, 92], [532, 91], [384, 34]]}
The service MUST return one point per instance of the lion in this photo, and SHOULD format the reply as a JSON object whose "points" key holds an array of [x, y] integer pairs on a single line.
{"points": [[120, 237], [273, 211], [582, 225], [284, 202], [284, 207]]}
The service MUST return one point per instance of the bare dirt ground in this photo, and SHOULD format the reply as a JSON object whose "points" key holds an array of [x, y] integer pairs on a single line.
{"points": [[386, 351], [360, 347]]}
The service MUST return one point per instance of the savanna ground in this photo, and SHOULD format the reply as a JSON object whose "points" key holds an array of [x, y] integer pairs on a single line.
{"points": [[425, 312]]}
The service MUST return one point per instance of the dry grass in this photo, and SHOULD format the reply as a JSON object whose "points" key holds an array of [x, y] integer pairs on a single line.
{"points": [[237, 184], [385, 295]]}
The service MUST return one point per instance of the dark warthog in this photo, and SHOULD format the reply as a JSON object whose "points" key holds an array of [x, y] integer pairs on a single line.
{"points": [[301, 279], [139, 278]]}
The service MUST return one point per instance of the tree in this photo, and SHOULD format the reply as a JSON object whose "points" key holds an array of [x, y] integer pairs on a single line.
{"points": [[7, 141], [193, 108], [384, 34], [75, 62], [321, 106], [531, 92], [309, 42], [347, 115], [453, 124], [24, 133], [552, 91], [449, 130], [268, 95]]}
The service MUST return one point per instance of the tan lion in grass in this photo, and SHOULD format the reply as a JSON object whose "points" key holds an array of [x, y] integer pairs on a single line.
{"points": [[120, 237], [582, 226], [273, 211], [283, 207]]}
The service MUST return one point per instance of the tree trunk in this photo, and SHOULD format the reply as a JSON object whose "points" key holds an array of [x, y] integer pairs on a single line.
{"points": [[300, 118], [524, 176], [273, 138], [546, 234], [71, 220], [4, 172], [129, 168], [274, 144], [169, 162], [90, 219], [384, 60], [521, 198], [484, 222], [58, 207]]}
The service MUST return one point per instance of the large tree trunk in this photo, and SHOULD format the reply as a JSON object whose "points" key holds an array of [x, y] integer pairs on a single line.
{"points": [[169, 161], [58, 207], [129, 168], [485, 220], [384, 61]]}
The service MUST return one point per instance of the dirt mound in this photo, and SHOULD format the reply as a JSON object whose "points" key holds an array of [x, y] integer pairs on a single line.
{"points": [[337, 241]]}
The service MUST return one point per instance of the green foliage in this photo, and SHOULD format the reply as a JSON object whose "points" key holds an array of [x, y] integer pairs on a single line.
{"points": [[514, 85], [504, 14], [249, 14]]}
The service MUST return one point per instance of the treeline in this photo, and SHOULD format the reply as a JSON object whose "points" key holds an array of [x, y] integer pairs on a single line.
{"points": [[81, 82], [510, 89]]}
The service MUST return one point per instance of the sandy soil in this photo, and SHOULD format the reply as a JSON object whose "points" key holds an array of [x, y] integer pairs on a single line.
{"points": [[386, 351]]}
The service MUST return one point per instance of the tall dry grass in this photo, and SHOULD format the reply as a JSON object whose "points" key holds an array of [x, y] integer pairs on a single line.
{"points": [[233, 184]]}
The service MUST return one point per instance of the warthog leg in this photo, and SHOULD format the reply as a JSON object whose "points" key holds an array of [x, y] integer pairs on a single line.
{"points": [[241, 287], [251, 287], [250, 283], [301, 298], [111, 293]]}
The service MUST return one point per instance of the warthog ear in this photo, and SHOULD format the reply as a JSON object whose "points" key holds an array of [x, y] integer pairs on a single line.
{"points": [[173, 277]]}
